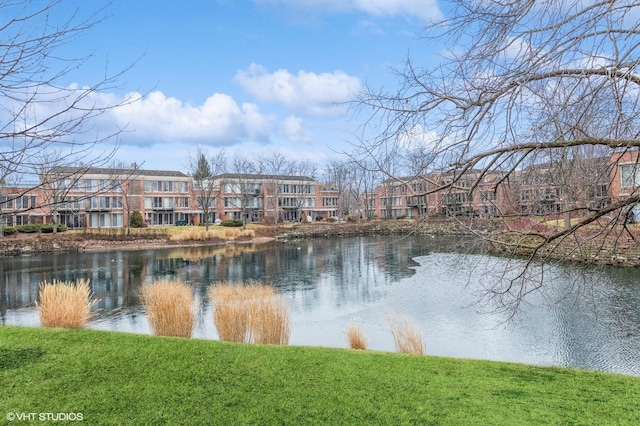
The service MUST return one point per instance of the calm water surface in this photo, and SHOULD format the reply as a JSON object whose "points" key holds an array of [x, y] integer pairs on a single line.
{"points": [[329, 283]]}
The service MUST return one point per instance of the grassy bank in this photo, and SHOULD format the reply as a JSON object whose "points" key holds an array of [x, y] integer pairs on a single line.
{"points": [[114, 378]]}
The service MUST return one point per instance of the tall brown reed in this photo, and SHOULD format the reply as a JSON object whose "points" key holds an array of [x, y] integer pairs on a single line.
{"points": [[250, 313], [406, 336], [231, 233], [355, 336], [230, 314], [270, 321], [65, 304], [248, 233], [169, 307], [194, 234]]}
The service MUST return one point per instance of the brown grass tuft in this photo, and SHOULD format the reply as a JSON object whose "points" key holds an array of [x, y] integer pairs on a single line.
{"points": [[231, 233], [169, 306], [356, 337], [247, 313], [406, 336], [65, 304], [270, 321], [195, 234], [248, 233]]}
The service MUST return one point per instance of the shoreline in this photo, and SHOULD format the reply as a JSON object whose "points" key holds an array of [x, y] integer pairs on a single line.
{"points": [[613, 253]]}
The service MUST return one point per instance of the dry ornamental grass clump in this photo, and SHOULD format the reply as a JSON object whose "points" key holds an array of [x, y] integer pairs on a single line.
{"points": [[195, 234], [65, 304], [248, 313], [231, 233], [169, 307], [356, 337], [406, 336]]}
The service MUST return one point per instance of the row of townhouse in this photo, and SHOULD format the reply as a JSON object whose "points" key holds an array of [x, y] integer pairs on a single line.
{"points": [[574, 186], [106, 198]]}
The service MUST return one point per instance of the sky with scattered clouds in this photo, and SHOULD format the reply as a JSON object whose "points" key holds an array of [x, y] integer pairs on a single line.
{"points": [[252, 77]]}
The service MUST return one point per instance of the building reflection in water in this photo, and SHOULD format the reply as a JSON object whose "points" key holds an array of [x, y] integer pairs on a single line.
{"points": [[348, 270]]}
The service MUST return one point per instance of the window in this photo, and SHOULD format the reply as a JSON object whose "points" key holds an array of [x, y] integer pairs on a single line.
{"points": [[147, 186], [116, 202], [79, 185], [629, 176], [116, 220], [6, 202], [232, 202], [92, 185], [487, 196], [602, 191]]}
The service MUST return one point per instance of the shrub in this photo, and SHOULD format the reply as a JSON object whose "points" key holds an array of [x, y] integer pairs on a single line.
{"points": [[232, 222], [169, 307], [28, 229], [8, 230], [352, 219], [356, 337], [136, 221], [64, 304], [332, 219], [406, 336], [250, 313], [48, 228]]}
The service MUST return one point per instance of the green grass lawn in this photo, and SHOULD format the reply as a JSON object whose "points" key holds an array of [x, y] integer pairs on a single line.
{"points": [[115, 378]]}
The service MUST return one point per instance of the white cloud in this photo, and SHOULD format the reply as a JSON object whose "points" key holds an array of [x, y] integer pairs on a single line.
{"points": [[305, 93], [417, 138], [424, 9], [293, 130], [219, 120]]}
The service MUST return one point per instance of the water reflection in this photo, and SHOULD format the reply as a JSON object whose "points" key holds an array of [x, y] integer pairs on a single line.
{"points": [[351, 267], [330, 282]]}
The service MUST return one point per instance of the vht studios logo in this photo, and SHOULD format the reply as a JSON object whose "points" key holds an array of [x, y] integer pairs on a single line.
{"points": [[52, 417]]}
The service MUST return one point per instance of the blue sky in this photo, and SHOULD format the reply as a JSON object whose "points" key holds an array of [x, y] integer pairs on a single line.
{"points": [[252, 77]]}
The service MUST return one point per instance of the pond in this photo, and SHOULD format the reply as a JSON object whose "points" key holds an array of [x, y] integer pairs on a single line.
{"points": [[329, 283]]}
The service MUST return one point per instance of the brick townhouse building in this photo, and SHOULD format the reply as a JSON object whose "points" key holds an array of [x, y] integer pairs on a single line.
{"points": [[539, 189], [105, 197], [474, 193]]}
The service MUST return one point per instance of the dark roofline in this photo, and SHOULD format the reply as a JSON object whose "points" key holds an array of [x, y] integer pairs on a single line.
{"points": [[261, 176], [117, 172]]}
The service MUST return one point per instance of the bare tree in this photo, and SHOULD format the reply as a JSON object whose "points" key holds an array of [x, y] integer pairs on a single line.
{"points": [[339, 176], [41, 111], [204, 169], [273, 167], [246, 188], [125, 180], [304, 189], [511, 72]]}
